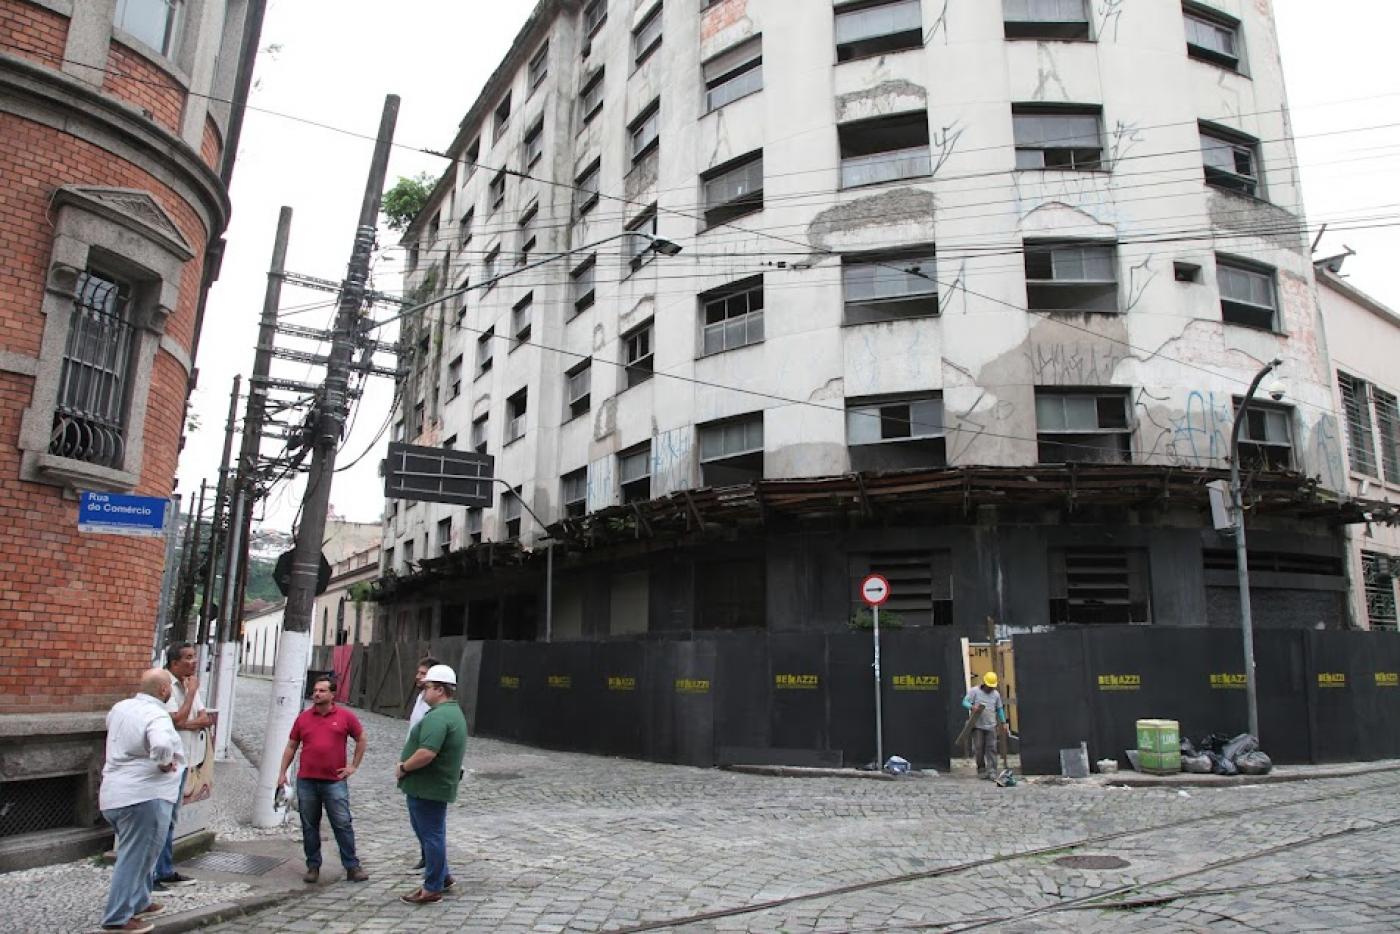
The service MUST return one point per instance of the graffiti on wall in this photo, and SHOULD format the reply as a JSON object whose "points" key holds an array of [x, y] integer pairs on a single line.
{"points": [[672, 461], [1074, 363]]}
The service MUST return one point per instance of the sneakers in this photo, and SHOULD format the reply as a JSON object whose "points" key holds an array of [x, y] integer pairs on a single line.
{"points": [[356, 875], [313, 875], [152, 909], [418, 897], [134, 926], [160, 887], [174, 881]]}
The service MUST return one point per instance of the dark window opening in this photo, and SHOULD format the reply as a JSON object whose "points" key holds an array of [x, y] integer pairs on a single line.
{"points": [[731, 594], [878, 27], [921, 585], [1099, 585]]}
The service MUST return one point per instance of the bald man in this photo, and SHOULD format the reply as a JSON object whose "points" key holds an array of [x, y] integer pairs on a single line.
{"points": [[140, 782]]}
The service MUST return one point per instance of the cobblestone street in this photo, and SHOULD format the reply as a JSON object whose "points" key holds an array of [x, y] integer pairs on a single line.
{"points": [[547, 841]]}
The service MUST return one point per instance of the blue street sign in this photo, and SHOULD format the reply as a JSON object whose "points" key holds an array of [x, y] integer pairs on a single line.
{"points": [[120, 514]]}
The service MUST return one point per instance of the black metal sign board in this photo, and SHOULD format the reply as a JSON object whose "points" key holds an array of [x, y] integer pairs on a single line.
{"points": [[438, 475]]}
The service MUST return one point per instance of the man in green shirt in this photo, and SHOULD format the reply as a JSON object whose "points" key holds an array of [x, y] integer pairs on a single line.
{"points": [[429, 770]]}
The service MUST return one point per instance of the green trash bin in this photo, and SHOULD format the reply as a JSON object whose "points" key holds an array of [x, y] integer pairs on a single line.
{"points": [[1159, 746]]}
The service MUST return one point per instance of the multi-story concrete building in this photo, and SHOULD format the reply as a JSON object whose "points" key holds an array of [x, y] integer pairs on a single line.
{"points": [[1364, 338], [116, 142], [1034, 251], [340, 616]]}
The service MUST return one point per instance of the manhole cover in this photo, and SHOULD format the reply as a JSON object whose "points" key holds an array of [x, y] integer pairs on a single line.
{"points": [[246, 864], [1092, 862], [499, 776]]}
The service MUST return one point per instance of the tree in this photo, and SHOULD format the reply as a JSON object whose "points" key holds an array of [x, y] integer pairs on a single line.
{"points": [[402, 203]]}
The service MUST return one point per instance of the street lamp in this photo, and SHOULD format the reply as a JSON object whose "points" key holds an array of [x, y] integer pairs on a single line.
{"points": [[1241, 555]]}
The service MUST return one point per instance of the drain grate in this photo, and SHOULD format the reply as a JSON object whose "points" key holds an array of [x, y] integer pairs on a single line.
{"points": [[244, 864], [1092, 862]]}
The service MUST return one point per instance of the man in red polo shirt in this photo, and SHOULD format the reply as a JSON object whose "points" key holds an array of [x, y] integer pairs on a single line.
{"points": [[321, 731]]}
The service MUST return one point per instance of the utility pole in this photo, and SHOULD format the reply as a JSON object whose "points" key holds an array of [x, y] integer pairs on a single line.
{"points": [[245, 492], [290, 668], [215, 536]]}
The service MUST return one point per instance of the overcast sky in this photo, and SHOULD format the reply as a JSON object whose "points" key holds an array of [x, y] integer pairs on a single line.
{"points": [[327, 65]]}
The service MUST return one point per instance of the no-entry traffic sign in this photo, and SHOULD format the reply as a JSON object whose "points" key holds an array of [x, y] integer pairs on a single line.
{"points": [[874, 590]]}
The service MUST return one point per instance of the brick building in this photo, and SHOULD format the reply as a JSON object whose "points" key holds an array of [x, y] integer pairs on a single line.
{"points": [[115, 116]]}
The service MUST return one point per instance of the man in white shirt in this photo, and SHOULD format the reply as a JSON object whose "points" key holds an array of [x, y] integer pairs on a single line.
{"points": [[420, 707], [140, 783], [187, 712]]}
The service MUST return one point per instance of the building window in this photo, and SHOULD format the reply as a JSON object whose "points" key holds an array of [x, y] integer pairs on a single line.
{"points": [[410, 262], [1045, 19], [1378, 572], [520, 317], [534, 144], [574, 489], [418, 415], [397, 435], [1212, 36], [444, 535], [1083, 427], [1099, 585], [450, 444], [1231, 160], [884, 149], [155, 22], [578, 387], [90, 415], [636, 354], [581, 282], [1071, 277], [594, 15], [590, 99], [643, 132], [485, 350], [527, 235], [1361, 440], [496, 191], [454, 377], [516, 406], [876, 27], [539, 67], [502, 117], [731, 451], [488, 270], [638, 246], [1247, 294], [480, 428], [1058, 137], [894, 432], [1388, 427], [470, 160], [634, 473], [473, 526], [647, 36], [733, 316], [465, 227], [1266, 441], [586, 187], [921, 585], [889, 286], [512, 507], [733, 73], [408, 555], [733, 189]]}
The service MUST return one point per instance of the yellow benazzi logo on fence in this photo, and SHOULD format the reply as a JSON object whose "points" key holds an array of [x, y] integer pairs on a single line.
{"points": [[1120, 682], [1227, 680], [692, 686], [561, 681], [916, 682], [510, 681], [795, 682], [618, 683], [1331, 679], [1387, 679]]}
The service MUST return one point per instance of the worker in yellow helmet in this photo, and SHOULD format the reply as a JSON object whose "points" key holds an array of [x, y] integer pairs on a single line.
{"points": [[988, 716]]}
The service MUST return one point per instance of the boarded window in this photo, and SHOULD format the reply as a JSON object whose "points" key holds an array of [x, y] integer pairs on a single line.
{"points": [[1099, 585]]}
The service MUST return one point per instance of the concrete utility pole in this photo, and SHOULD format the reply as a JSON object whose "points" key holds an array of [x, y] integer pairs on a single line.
{"points": [[245, 491], [215, 539], [289, 670]]}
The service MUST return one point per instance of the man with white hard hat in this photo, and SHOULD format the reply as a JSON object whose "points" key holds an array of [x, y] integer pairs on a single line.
{"points": [[429, 770]]}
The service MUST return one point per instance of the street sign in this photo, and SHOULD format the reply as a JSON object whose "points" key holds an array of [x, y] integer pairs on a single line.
{"points": [[438, 475], [282, 573], [121, 514], [874, 590]]}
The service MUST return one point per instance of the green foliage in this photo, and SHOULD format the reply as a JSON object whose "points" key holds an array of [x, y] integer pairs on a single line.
{"points": [[402, 203], [361, 592], [864, 620], [260, 584]]}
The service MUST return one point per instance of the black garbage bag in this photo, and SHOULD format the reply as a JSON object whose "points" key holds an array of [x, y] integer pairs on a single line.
{"points": [[1254, 763], [1221, 765], [1215, 742], [1239, 746], [1188, 749], [1199, 764]]}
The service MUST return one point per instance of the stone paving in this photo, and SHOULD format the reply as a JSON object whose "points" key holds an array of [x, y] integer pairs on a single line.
{"points": [[548, 841]]}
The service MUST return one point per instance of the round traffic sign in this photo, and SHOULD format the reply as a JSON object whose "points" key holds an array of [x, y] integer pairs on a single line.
{"points": [[874, 590]]}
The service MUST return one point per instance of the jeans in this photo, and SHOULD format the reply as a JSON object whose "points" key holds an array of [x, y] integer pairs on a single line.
{"points": [[165, 863], [429, 820], [312, 795], [984, 749], [141, 829]]}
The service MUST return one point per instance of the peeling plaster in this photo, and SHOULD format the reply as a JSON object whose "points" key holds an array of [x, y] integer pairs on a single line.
{"points": [[833, 388], [605, 421], [643, 175], [887, 97], [887, 208], [644, 309], [1255, 218]]}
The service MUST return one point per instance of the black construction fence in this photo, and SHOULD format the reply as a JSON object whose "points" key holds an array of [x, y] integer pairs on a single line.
{"points": [[1324, 696]]}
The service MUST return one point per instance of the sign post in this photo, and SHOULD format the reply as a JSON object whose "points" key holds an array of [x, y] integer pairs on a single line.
{"points": [[875, 590]]}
